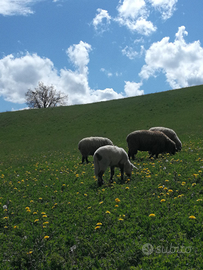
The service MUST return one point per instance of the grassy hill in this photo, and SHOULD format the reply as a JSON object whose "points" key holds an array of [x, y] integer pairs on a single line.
{"points": [[54, 216], [35, 131]]}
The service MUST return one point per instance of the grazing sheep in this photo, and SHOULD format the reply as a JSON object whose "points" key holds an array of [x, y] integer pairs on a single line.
{"points": [[89, 145], [171, 134], [155, 142], [112, 156]]}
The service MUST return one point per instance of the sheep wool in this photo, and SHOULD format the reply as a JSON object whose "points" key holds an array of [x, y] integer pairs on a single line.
{"points": [[111, 156], [155, 142], [87, 146], [171, 134]]}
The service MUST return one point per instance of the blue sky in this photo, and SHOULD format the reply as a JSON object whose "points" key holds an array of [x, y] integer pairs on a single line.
{"points": [[97, 50]]}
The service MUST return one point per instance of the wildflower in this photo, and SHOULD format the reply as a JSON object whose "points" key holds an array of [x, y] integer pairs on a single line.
{"points": [[5, 227], [183, 183], [166, 180], [85, 194], [15, 227], [77, 175], [107, 212], [160, 187], [170, 190], [36, 220], [30, 252], [46, 237], [127, 188], [121, 219], [5, 217], [179, 196], [192, 217], [31, 201], [5, 207], [89, 207], [43, 213], [81, 183], [163, 200], [193, 184], [117, 200], [198, 200], [44, 216], [40, 198], [101, 202], [152, 215], [195, 174], [103, 189], [165, 188], [46, 222], [27, 208], [97, 227], [116, 205], [99, 224]]}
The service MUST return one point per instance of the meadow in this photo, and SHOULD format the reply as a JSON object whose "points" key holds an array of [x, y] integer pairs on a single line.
{"points": [[53, 214]]}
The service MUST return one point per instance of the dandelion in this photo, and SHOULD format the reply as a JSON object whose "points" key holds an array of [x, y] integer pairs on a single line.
{"points": [[15, 227], [198, 200], [193, 184], [183, 183], [163, 200], [117, 200], [107, 212], [192, 217], [127, 188], [89, 207], [195, 174], [166, 180], [40, 198], [30, 252], [152, 215], [121, 219], [85, 194], [46, 237], [101, 202], [6, 218], [77, 175], [31, 201], [44, 216], [46, 222], [5, 227], [103, 189], [116, 205], [43, 213], [97, 227], [36, 220], [170, 190], [99, 224], [27, 208], [160, 187]]}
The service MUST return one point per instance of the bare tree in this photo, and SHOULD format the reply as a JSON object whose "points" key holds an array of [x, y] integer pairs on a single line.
{"points": [[44, 96]]}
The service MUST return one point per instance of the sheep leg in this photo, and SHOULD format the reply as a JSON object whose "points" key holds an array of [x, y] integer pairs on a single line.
{"points": [[122, 171], [112, 174], [100, 180]]}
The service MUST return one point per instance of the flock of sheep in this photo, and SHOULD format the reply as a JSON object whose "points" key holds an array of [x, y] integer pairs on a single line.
{"points": [[156, 140]]}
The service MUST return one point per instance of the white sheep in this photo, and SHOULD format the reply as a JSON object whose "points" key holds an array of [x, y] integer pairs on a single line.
{"points": [[111, 156], [89, 145], [171, 134]]}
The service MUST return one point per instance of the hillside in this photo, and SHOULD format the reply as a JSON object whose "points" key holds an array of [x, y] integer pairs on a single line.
{"points": [[35, 131]]}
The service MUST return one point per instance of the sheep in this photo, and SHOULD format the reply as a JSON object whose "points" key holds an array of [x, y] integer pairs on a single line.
{"points": [[87, 146], [155, 142], [171, 134], [111, 156]]}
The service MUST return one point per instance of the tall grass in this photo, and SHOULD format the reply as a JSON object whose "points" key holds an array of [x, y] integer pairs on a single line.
{"points": [[54, 216]]}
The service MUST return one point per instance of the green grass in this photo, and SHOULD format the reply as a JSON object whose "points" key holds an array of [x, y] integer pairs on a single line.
{"points": [[58, 218]]}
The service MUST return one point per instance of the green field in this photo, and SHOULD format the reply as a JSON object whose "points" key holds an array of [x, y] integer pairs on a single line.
{"points": [[54, 216]]}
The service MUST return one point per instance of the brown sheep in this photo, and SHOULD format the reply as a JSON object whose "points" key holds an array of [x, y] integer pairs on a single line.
{"points": [[155, 142]]}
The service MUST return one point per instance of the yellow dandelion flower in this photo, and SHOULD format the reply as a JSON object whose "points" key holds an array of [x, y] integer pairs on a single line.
{"points": [[195, 174], [163, 200], [46, 237], [30, 252], [193, 184], [170, 190], [46, 222], [85, 194], [99, 224], [27, 208], [77, 175], [44, 216], [103, 189], [101, 202], [97, 227], [160, 187], [89, 207], [15, 227], [166, 180], [116, 205], [165, 188], [31, 201], [152, 215], [43, 213], [40, 198], [5, 217], [69, 202], [5, 227], [107, 212], [117, 200], [121, 219], [192, 217], [36, 220], [34, 213], [127, 188], [198, 200], [183, 183]]}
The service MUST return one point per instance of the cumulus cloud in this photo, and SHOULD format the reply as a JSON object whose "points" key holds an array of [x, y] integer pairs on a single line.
{"points": [[133, 89], [101, 20], [22, 72], [179, 61], [133, 15], [165, 7], [20, 7]]}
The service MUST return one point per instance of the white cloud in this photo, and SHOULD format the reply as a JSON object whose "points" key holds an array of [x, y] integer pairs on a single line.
{"points": [[129, 52], [165, 7], [102, 20], [133, 15], [23, 72], [133, 89], [180, 62], [19, 7]]}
